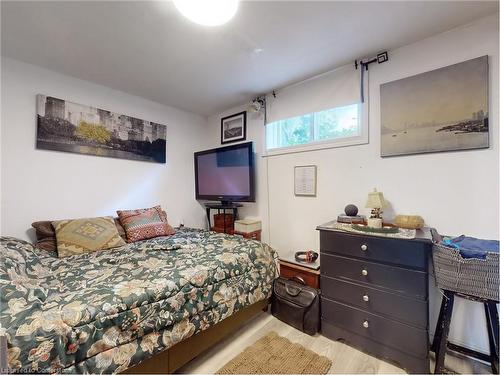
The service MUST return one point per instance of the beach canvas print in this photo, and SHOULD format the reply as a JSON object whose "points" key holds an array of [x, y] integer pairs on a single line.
{"points": [[441, 110], [71, 127]]}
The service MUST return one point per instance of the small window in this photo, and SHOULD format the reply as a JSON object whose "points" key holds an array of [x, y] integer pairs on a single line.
{"points": [[328, 126]]}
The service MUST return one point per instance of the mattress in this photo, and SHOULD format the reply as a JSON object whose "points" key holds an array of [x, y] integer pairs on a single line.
{"points": [[106, 311]]}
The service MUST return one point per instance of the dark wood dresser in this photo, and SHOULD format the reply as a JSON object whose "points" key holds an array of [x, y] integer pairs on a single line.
{"points": [[374, 294]]}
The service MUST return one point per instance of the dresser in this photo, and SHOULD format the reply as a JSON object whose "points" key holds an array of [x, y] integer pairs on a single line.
{"points": [[374, 294]]}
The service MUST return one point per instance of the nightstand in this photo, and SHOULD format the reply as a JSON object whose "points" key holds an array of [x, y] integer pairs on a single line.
{"points": [[309, 272]]}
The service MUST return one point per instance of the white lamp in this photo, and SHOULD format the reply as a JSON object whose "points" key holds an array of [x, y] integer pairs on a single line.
{"points": [[376, 202], [207, 12]]}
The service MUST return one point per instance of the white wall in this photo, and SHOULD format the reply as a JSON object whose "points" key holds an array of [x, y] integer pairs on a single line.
{"points": [[455, 192], [39, 184]]}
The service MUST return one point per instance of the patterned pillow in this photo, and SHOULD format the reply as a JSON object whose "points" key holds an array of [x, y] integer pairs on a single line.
{"points": [[45, 235], [86, 235], [145, 223]]}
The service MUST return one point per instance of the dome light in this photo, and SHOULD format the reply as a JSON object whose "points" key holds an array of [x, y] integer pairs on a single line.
{"points": [[207, 12]]}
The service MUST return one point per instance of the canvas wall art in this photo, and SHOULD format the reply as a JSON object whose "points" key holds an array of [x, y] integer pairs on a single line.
{"points": [[71, 127], [441, 110]]}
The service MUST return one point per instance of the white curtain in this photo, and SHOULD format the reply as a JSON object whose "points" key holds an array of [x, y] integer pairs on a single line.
{"points": [[337, 88]]}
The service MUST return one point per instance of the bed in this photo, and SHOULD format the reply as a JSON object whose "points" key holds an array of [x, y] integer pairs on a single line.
{"points": [[108, 311]]}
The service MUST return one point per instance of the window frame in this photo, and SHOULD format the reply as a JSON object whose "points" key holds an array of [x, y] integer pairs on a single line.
{"points": [[362, 138]]}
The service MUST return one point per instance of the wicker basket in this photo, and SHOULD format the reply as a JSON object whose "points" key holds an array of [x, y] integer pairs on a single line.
{"points": [[474, 277]]}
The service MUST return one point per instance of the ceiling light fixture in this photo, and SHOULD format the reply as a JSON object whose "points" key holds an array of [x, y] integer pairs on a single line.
{"points": [[207, 12]]}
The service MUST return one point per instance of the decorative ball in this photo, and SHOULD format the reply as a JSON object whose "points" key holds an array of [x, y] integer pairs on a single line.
{"points": [[351, 210]]}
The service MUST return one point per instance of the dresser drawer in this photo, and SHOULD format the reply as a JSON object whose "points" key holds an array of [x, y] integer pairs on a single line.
{"points": [[311, 278], [385, 331], [396, 306], [401, 280], [406, 253], [411, 363]]}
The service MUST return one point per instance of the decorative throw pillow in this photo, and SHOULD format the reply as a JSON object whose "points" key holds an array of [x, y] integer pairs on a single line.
{"points": [[120, 228], [45, 235], [145, 223], [86, 235]]}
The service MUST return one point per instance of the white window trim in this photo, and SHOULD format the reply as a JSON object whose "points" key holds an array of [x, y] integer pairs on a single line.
{"points": [[360, 139]]}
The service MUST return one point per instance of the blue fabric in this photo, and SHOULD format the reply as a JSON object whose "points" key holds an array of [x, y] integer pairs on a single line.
{"points": [[471, 247]]}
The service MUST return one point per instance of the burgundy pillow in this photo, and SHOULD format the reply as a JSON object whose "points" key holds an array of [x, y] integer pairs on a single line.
{"points": [[145, 223]]}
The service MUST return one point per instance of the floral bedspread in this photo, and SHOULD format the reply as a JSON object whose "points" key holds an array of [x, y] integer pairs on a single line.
{"points": [[106, 311]]}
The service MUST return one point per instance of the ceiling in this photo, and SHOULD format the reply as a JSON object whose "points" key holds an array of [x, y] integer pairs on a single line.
{"points": [[148, 49]]}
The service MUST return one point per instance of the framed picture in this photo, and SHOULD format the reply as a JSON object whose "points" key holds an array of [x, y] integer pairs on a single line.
{"points": [[233, 128], [442, 110], [305, 180], [71, 127]]}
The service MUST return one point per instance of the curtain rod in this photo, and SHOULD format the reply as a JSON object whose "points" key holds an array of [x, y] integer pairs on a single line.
{"points": [[380, 58]]}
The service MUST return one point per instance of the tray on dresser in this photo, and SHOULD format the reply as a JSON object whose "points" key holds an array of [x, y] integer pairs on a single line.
{"points": [[401, 233]]}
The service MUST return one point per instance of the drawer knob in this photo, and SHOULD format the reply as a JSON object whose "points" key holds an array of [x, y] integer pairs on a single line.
{"points": [[366, 298], [364, 247], [364, 272], [366, 324]]}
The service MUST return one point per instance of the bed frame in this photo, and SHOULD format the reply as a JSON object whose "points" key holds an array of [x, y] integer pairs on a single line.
{"points": [[181, 353]]}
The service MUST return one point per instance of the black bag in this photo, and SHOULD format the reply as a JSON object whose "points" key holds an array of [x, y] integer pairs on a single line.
{"points": [[297, 304]]}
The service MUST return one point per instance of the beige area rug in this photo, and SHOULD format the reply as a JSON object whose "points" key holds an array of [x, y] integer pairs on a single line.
{"points": [[273, 354]]}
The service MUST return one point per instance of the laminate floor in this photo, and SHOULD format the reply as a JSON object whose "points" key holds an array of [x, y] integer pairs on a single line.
{"points": [[346, 360]]}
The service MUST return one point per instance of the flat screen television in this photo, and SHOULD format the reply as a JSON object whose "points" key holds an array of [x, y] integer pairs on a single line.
{"points": [[225, 174]]}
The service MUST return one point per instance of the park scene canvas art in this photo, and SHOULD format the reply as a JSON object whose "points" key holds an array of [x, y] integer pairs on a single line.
{"points": [[441, 110], [71, 127]]}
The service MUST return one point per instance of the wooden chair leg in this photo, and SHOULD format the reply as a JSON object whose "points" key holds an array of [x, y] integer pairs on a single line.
{"points": [[440, 341], [490, 309]]}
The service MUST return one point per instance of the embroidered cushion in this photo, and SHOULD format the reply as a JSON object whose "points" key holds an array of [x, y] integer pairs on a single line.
{"points": [[86, 235], [46, 235], [145, 223]]}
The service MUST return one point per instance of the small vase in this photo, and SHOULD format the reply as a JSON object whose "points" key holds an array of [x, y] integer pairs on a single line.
{"points": [[374, 222]]}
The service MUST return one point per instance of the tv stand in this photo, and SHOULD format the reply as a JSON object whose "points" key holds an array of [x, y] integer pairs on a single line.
{"points": [[222, 206]]}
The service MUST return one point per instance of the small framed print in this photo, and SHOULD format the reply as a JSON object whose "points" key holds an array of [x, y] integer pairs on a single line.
{"points": [[233, 128], [305, 180]]}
